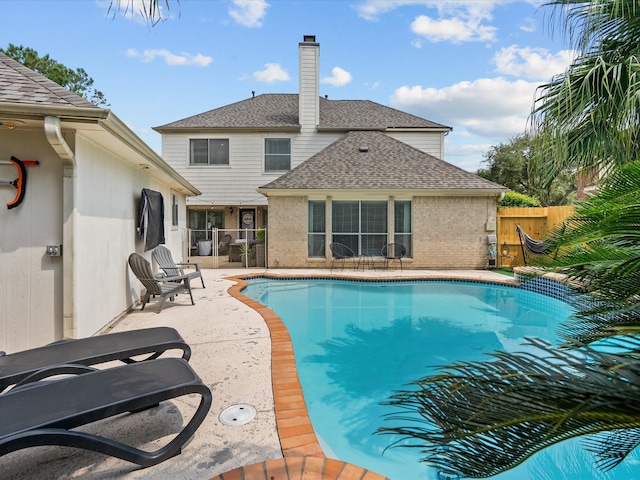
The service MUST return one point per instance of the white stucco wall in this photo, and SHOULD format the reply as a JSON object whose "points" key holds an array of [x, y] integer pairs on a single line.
{"points": [[30, 282], [107, 199]]}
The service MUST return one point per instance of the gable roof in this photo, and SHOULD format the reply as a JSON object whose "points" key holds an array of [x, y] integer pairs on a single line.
{"points": [[386, 164], [280, 111], [19, 84]]}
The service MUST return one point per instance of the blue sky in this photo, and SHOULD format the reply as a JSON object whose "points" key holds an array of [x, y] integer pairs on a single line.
{"points": [[473, 65]]}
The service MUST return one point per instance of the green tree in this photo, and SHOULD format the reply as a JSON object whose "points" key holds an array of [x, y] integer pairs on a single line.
{"points": [[514, 165], [482, 418], [78, 81], [588, 117]]}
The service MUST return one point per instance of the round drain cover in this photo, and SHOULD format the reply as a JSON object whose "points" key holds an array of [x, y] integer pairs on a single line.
{"points": [[236, 415]]}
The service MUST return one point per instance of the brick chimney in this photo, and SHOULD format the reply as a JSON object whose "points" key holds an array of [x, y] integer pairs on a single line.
{"points": [[309, 99]]}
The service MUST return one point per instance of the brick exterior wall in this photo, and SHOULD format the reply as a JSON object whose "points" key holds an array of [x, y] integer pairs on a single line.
{"points": [[448, 233], [287, 233]]}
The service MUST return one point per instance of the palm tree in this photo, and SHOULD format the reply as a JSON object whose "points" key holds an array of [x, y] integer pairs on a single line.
{"points": [[150, 10], [588, 117], [482, 418]]}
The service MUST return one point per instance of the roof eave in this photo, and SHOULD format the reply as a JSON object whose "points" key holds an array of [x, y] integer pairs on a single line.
{"points": [[291, 128], [350, 192], [382, 129], [349, 129], [120, 130], [63, 112]]}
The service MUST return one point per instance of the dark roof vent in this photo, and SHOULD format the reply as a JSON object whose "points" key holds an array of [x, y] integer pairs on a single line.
{"points": [[309, 38], [364, 148]]}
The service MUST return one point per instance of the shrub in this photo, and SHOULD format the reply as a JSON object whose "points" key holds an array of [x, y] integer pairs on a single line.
{"points": [[515, 199]]}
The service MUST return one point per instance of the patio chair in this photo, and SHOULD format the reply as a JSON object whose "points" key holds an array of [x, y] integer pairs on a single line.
{"points": [[393, 251], [165, 261], [121, 346], [45, 413], [163, 287], [339, 251], [223, 246]]}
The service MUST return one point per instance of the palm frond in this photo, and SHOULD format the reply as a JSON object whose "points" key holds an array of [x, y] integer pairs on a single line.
{"points": [[588, 117], [463, 419]]}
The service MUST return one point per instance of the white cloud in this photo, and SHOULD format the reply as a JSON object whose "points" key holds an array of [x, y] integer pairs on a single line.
{"points": [[373, 9], [528, 25], [172, 59], [488, 107], [249, 13], [339, 77], [272, 73], [456, 30], [467, 156], [532, 63]]}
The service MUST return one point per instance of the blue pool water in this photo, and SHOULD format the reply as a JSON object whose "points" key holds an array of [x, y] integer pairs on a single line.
{"points": [[358, 342]]}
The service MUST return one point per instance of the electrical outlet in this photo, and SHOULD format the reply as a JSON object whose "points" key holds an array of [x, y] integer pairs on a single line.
{"points": [[54, 250]]}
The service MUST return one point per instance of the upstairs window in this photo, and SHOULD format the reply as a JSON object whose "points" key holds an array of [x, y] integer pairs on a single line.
{"points": [[277, 154], [209, 151]]}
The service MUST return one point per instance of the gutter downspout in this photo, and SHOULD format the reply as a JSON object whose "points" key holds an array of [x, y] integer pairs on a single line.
{"points": [[53, 133]]}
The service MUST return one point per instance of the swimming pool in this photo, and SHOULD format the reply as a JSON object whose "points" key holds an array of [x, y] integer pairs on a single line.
{"points": [[357, 342]]}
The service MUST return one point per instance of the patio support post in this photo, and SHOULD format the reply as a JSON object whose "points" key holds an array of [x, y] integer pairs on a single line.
{"points": [[391, 223]]}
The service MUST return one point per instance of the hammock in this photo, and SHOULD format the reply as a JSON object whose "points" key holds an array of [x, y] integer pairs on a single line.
{"points": [[536, 247]]}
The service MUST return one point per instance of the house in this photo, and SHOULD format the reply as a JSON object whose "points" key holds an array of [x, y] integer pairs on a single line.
{"points": [[315, 170], [64, 245]]}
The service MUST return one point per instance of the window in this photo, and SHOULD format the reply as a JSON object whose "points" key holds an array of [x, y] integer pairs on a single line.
{"points": [[362, 226], [317, 229], [402, 225], [201, 221], [277, 154], [174, 210], [209, 151]]}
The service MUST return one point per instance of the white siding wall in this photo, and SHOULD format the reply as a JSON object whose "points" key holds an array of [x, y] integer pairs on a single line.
{"points": [[237, 183], [431, 143], [309, 109]]}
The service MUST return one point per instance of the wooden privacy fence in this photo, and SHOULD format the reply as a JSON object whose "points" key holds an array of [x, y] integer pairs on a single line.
{"points": [[538, 222]]}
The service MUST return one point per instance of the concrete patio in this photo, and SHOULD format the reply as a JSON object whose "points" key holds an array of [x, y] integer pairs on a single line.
{"points": [[232, 352]]}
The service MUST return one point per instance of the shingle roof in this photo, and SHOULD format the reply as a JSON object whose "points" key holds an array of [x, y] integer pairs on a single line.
{"points": [[19, 84], [387, 164], [365, 114], [281, 111]]}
